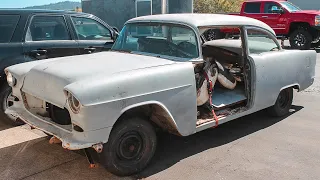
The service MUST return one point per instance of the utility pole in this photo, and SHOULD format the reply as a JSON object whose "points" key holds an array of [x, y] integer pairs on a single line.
{"points": [[164, 7]]}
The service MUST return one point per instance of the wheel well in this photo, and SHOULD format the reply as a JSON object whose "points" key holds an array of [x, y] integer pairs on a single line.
{"points": [[156, 114], [296, 87], [297, 25], [303, 25]]}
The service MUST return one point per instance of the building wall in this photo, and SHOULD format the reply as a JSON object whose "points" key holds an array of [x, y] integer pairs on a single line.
{"points": [[180, 6], [117, 12], [307, 4]]}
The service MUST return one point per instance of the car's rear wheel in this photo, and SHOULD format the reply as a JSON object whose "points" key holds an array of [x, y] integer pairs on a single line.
{"points": [[283, 103], [300, 39], [7, 100], [130, 147]]}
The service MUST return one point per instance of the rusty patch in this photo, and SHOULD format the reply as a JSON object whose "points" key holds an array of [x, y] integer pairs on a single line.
{"points": [[54, 140], [163, 120]]}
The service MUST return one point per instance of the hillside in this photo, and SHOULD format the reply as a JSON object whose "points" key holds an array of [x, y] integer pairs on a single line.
{"points": [[65, 5]]}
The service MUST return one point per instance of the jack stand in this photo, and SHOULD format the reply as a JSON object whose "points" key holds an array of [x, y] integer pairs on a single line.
{"points": [[90, 159]]}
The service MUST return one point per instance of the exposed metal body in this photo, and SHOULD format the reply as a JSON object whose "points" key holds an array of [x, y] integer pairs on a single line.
{"points": [[108, 84]]}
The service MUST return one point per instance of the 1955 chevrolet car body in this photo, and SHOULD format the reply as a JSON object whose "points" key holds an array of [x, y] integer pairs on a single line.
{"points": [[161, 73]]}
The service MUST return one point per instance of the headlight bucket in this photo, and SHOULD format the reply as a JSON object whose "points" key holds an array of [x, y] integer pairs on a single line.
{"points": [[12, 81], [317, 20], [74, 103]]}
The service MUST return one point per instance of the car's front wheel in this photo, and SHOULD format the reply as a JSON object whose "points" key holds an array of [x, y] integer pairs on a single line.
{"points": [[283, 103], [7, 100], [130, 147]]}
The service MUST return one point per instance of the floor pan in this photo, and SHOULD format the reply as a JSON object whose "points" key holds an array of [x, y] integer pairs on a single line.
{"points": [[222, 97]]}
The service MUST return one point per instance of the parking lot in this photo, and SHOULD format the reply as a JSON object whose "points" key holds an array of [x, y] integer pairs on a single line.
{"points": [[253, 147]]}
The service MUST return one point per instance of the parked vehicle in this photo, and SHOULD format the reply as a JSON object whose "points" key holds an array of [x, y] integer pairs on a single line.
{"points": [[301, 27], [29, 35], [159, 74]]}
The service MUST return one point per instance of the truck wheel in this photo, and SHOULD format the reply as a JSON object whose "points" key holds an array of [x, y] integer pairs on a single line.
{"points": [[315, 45], [130, 147], [213, 34], [7, 101], [300, 39], [283, 103]]}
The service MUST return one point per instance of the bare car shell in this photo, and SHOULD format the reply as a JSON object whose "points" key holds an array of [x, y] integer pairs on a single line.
{"points": [[111, 85]]}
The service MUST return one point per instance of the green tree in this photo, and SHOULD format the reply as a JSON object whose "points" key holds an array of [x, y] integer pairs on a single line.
{"points": [[217, 6]]}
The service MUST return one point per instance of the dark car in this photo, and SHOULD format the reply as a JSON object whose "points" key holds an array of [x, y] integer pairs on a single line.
{"points": [[29, 35]]}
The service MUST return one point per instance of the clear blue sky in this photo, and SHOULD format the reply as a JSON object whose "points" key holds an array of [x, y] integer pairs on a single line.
{"points": [[25, 3]]}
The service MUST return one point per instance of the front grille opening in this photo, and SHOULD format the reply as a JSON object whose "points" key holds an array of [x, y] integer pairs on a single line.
{"points": [[58, 115]]}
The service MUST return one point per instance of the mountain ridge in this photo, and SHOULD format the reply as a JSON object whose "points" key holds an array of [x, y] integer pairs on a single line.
{"points": [[63, 5]]}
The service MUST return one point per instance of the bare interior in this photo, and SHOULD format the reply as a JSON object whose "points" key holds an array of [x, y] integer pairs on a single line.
{"points": [[224, 64]]}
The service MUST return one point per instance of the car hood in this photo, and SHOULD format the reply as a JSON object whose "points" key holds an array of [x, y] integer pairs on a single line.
{"points": [[312, 12], [48, 79]]}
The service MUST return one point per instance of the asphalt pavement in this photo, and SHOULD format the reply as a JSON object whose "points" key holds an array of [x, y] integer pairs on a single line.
{"points": [[252, 147]]}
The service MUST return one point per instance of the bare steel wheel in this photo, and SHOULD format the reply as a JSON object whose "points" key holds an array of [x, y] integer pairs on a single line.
{"points": [[130, 147], [7, 100], [283, 103]]}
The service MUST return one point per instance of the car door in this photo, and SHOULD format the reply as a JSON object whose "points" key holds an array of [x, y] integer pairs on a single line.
{"points": [[48, 36], [274, 67], [273, 17], [93, 36]]}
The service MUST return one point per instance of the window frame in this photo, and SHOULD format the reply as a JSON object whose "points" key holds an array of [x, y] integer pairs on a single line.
{"points": [[198, 39], [97, 21], [136, 6], [27, 36], [267, 32], [252, 3]]}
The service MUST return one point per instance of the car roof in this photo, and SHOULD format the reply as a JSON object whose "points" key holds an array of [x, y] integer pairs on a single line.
{"points": [[31, 11], [197, 20]]}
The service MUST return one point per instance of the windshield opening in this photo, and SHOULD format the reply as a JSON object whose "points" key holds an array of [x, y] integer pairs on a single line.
{"points": [[290, 7], [158, 39]]}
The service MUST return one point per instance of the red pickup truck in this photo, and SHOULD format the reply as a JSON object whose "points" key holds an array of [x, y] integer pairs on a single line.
{"points": [[301, 27]]}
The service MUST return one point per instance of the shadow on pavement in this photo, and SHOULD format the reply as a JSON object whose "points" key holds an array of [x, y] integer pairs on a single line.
{"points": [[172, 149], [4, 126]]}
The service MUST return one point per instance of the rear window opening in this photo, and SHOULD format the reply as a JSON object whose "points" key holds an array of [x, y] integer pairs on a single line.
{"points": [[8, 24]]}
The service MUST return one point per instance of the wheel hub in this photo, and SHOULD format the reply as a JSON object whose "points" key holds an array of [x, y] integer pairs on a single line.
{"points": [[300, 40], [130, 146]]}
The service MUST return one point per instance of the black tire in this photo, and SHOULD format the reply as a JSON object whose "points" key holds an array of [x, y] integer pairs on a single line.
{"points": [[283, 103], [131, 145], [213, 34], [5, 92], [300, 39]]}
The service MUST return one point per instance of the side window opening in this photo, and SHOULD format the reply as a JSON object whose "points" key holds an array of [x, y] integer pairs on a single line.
{"points": [[89, 29], [46, 28], [270, 6], [8, 24], [252, 7], [260, 42]]}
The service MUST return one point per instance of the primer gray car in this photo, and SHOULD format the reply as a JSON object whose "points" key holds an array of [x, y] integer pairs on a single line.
{"points": [[158, 76]]}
